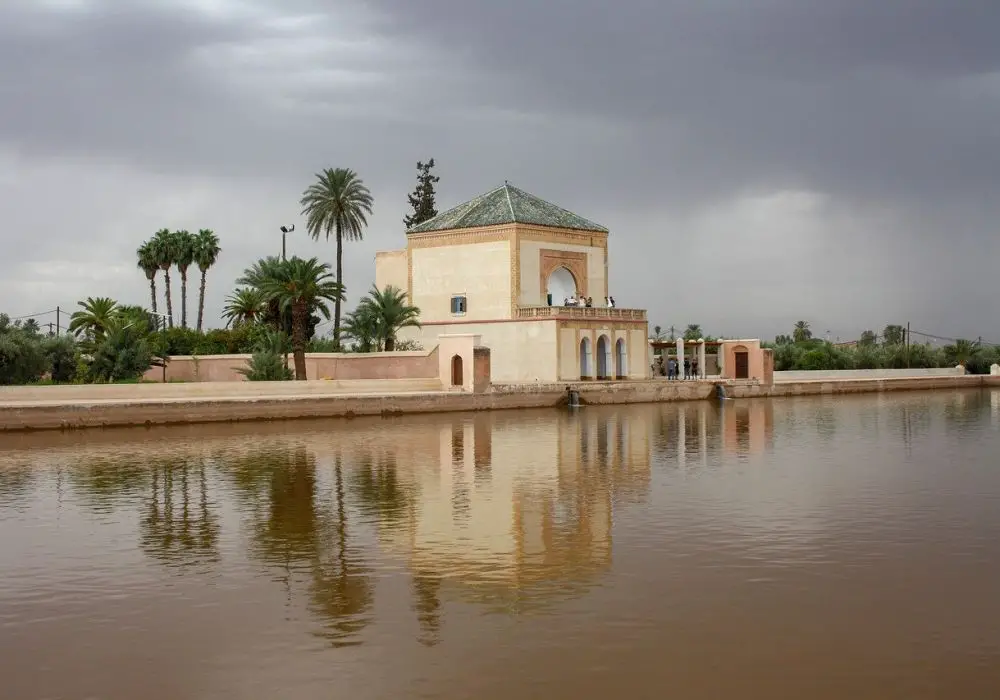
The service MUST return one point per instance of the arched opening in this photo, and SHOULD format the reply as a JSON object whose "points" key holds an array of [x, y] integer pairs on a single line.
{"points": [[586, 362], [561, 285], [741, 362], [621, 359], [603, 357], [456, 371]]}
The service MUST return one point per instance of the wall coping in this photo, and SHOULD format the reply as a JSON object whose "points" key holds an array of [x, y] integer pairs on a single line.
{"points": [[318, 355]]}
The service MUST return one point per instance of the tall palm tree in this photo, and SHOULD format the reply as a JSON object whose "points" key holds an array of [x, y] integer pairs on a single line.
{"points": [[206, 254], [243, 306], [337, 203], [163, 252], [95, 318], [146, 258], [183, 259], [303, 286], [392, 313], [801, 332]]}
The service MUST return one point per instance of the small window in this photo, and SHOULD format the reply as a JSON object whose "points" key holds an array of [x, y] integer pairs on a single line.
{"points": [[458, 304]]}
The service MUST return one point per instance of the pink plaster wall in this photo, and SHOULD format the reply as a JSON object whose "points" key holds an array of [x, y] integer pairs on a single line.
{"points": [[756, 362], [376, 365]]}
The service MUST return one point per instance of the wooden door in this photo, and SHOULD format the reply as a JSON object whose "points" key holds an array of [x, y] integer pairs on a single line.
{"points": [[742, 365], [456, 371]]}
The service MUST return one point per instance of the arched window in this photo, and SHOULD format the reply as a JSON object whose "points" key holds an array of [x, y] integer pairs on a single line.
{"points": [[561, 285], [586, 360], [621, 359], [603, 357]]}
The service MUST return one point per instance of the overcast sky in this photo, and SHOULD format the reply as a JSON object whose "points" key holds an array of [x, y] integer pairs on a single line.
{"points": [[757, 161]]}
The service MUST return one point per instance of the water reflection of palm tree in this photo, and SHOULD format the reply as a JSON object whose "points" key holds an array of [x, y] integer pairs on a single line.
{"points": [[341, 589], [377, 487], [305, 538], [176, 532], [386, 500], [427, 602]]}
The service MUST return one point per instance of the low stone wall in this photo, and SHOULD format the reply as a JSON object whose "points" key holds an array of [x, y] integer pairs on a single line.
{"points": [[319, 365], [858, 386], [837, 375], [35, 408], [32, 408]]}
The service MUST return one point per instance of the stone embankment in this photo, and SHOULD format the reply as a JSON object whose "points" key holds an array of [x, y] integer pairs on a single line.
{"points": [[65, 407]]}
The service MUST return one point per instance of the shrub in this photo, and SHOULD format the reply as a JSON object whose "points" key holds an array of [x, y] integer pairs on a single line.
{"points": [[61, 354], [124, 354], [267, 364], [22, 358]]}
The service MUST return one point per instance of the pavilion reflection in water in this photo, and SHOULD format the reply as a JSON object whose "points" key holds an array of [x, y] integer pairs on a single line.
{"points": [[690, 433], [505, 504]]}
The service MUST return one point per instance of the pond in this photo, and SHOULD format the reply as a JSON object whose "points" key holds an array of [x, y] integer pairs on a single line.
{"points": [[802, 548]]}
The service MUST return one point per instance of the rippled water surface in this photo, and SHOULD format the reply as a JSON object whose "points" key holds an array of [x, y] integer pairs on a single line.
{"points": [[798, 548]]}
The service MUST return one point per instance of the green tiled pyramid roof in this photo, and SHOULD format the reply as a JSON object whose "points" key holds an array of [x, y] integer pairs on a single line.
{"points": [[506, 205]]}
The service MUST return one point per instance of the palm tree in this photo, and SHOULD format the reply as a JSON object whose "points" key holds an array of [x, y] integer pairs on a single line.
{"points": [[95, 319], [183, 259], [146, 258], [257, 277], [164, 254], [693, 332], [962, 352], [801, 333], [206, 254], [391, 313], [338, 203], [303, 286], [243, 306], [361, 326]]}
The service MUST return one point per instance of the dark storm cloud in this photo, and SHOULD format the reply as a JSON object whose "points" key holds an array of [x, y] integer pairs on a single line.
{"points": [[895, 95], [790, 153]]}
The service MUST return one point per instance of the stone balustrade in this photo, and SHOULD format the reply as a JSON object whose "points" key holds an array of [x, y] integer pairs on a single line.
{"points": [[595, 312]]}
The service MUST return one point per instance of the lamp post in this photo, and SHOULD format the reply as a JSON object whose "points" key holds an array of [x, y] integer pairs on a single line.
{"points": [[285, 230]]}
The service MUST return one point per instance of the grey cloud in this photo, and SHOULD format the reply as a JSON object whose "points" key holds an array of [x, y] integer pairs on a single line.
{"points": [[689, 128]]}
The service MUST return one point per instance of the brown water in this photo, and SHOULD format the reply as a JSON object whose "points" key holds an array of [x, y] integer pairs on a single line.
{"points": [[801, 548]]}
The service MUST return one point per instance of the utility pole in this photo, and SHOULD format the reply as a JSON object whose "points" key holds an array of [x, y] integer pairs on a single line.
{"points": [[50, 325], [57, 320], [907, 345]]}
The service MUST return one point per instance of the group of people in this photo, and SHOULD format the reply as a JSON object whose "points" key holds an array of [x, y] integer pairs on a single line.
{"points": [[587, 301], [674, 368]]}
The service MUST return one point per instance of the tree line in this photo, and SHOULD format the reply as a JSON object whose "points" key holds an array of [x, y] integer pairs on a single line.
{"points": [[275, 309], [891, 349]]}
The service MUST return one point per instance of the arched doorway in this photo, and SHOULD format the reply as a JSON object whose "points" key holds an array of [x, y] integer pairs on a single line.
{"points": [[741, 362], [603, 357], [456, 371], [621, 359], [561, 285], [586, 361]]}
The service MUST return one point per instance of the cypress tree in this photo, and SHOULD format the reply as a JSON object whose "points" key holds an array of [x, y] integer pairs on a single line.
{"points": [[422, 199]]}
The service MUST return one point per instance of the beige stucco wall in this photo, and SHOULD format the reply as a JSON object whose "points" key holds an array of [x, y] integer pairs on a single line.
{"points": [[520, 351], [391, 269], [319, 365], [480, 271], [531, 292]]}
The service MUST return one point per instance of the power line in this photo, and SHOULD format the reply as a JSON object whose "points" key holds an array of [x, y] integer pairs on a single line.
{"points": [[40, 313]]}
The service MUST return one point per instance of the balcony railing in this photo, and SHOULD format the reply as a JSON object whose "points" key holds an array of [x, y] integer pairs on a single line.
{"points": [[595, 312]]}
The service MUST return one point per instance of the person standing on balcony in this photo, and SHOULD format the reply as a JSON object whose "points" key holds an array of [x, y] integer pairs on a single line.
{"points": [[611, 302], [590, 302]]}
